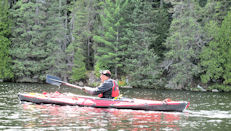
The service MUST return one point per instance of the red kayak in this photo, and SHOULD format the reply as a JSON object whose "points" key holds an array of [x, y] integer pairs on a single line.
{"points": [[122, 103]]}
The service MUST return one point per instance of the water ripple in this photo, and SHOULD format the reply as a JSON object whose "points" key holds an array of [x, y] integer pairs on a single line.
{"points": [[211, 114]]}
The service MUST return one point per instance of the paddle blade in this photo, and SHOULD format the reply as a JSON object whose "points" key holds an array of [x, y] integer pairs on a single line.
{"points": [[53, 80]]}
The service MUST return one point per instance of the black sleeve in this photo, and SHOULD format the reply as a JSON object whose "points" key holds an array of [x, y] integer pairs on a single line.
{"points": [[103, 88]]}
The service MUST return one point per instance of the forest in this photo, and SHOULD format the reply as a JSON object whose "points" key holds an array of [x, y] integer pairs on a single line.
{"points": [[171, 44]]}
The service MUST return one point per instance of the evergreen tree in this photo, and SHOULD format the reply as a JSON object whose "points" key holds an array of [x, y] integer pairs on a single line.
{"points": [[214, 10], [5, 71], [109, 36], [222, 8], [79, 69], [184, 45], [162, 21], [83, 12], [38, 35], [215, 58], [57, 37], [141, 62], [210, 16]]}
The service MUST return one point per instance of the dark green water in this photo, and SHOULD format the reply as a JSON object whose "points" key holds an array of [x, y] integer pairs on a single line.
{"points": [[207, 111]]}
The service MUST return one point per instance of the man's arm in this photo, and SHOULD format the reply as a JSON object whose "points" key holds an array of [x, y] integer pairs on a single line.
{"points": [[89, 90], [95, 91]]}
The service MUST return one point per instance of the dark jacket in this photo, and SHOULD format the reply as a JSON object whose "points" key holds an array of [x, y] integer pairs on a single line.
{"points": [[105, 88]]}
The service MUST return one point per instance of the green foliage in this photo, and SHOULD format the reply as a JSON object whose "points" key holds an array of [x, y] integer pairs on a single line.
{"points": [[109, 40], [149, 42], [202, 3], [79, 70], [4, 58], [80, 42], [213, 10], [37, 39], [99, 66], [142, 70], [83, 25], [184, 44], [221, 9], [141, 62], [122, 81], [5, 67], [220, 87], [215, 58], [162, 24]]}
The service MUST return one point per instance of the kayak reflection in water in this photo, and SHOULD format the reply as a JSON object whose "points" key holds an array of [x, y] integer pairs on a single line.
{"points": [[113, 119], [108, 87]]}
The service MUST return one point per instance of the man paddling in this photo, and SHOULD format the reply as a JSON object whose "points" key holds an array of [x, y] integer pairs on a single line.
{"points": [[107, 89]]}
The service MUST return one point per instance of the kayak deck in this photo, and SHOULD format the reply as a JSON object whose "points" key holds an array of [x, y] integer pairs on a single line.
{"points": [[123, 103]]}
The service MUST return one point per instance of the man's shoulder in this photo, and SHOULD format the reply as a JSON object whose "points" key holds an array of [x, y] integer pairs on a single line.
{"points": [[108, 82]]}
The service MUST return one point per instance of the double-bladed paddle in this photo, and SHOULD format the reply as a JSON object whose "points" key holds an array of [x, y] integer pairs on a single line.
{"points": [[57, 81]]}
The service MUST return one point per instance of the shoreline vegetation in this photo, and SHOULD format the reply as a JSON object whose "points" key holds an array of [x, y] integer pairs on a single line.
{"points": [[122, 84], [169, 44]]}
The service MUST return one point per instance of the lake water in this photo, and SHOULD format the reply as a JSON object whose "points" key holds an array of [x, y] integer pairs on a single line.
{"points": [[207, 111]]}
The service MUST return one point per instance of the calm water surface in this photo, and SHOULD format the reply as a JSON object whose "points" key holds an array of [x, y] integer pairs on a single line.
{"points": [[207, 111]]}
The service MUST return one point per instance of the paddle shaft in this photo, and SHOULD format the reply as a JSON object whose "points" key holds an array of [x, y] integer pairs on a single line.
{"points": [[71, 85], [67, 84]]}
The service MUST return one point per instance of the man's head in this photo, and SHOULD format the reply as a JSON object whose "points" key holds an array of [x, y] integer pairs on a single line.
{"points": [[105, 74]]}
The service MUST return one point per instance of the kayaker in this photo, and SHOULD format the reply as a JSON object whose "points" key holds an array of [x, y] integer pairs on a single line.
{"points": [[108, 87]]}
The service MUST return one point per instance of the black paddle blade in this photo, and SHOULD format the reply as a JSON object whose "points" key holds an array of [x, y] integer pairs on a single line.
{"points": [[53, 80]]}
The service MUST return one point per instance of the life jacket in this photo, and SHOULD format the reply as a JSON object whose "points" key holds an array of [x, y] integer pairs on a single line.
{"points": [[115, 90]]}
